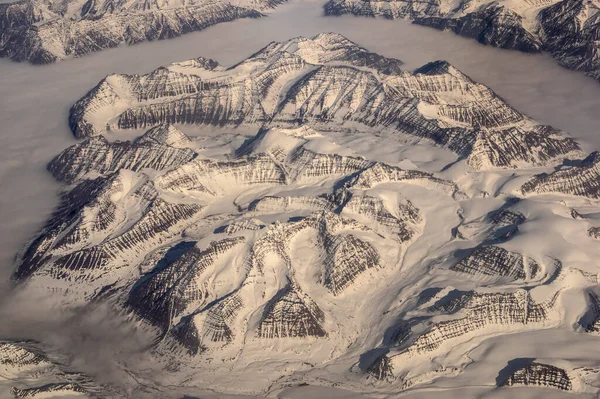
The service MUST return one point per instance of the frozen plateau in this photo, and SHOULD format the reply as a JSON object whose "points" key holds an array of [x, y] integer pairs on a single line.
{"points": [[315, 220]]}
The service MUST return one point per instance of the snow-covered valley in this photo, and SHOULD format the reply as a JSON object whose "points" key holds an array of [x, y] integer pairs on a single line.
{"points": [[412, 235]]}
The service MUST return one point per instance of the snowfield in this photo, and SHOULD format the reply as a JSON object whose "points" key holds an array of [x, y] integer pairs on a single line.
{"points": [[301, 261]]}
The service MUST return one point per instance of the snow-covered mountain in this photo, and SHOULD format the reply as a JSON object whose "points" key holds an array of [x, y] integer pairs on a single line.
{"points": [[374, 230], [46, 31], [34, 373], [567, 29], [323, 81]]}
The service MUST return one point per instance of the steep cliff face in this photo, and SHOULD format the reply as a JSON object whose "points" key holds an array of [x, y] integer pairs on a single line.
{"points": [[591, 323], [42, 31], [322, 82], [320, 242], [473, 313], [569, 31], [219, 319], [100, 221], [566, 29], [580, 180], [176, 281], [36, 374], [97, 155], [539, 374], [191, 245], [291, 314], [496, 261], [450, 321]]}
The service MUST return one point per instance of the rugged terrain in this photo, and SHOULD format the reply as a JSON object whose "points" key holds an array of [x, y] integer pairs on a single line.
{"points": [[46, 31], [373, 230], [567, 29], [36, 374], [325, 81]]}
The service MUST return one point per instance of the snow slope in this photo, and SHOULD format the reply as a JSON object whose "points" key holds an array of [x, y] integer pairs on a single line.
{"points": [[566, 29], [45, 31], [294, 259]]}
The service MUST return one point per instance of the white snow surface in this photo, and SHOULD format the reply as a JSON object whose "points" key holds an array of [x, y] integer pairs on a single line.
{"points": [[357, 322]]}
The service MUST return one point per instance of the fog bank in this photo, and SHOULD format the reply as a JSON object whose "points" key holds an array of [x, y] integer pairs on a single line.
{"points": [[35, 100]]}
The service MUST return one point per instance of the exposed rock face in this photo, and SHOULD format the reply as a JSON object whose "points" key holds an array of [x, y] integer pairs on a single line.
{"points": [[381, 368], [327, 81], [493, 24], [175, 282], [496, 261], [593, 323], [98, 155], [19, 356], [473, 312], [240, 225], [144, 235], [291, 314], [452, 317], [43, 31], [214, 178], [218, 327], [104, 220], [347, 257], [576, 215], [581, 180], [166, 135], [538, 374], [489, 23], [295, 242], [374, 209], [39, 375], [50, 389], [567, 29], [594, 232], [497, 226]]}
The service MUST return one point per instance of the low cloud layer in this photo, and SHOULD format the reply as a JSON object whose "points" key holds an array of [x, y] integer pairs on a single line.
{"points": [[34, 129]]}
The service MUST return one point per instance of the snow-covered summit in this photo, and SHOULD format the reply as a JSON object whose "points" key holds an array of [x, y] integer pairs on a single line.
{"points": [[567, 28], [328, 81], [45, 31]]}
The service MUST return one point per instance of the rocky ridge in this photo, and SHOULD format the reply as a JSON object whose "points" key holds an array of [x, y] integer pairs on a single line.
{"points": [[44, 31], [566, 29], [496, 261], [145, 232], [580, 179], [541, 375], [36, 374], [327, 81], [295, 242]]}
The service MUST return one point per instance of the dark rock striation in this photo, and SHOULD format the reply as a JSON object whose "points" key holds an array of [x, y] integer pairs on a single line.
{"points": [[472, 313], [44, 31], [322, 82], [100, 156], [495, 261], [39, 374], [539, 374], [567, 29], [591, 323], [581, 180], [52, 389], [291, 314]]}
